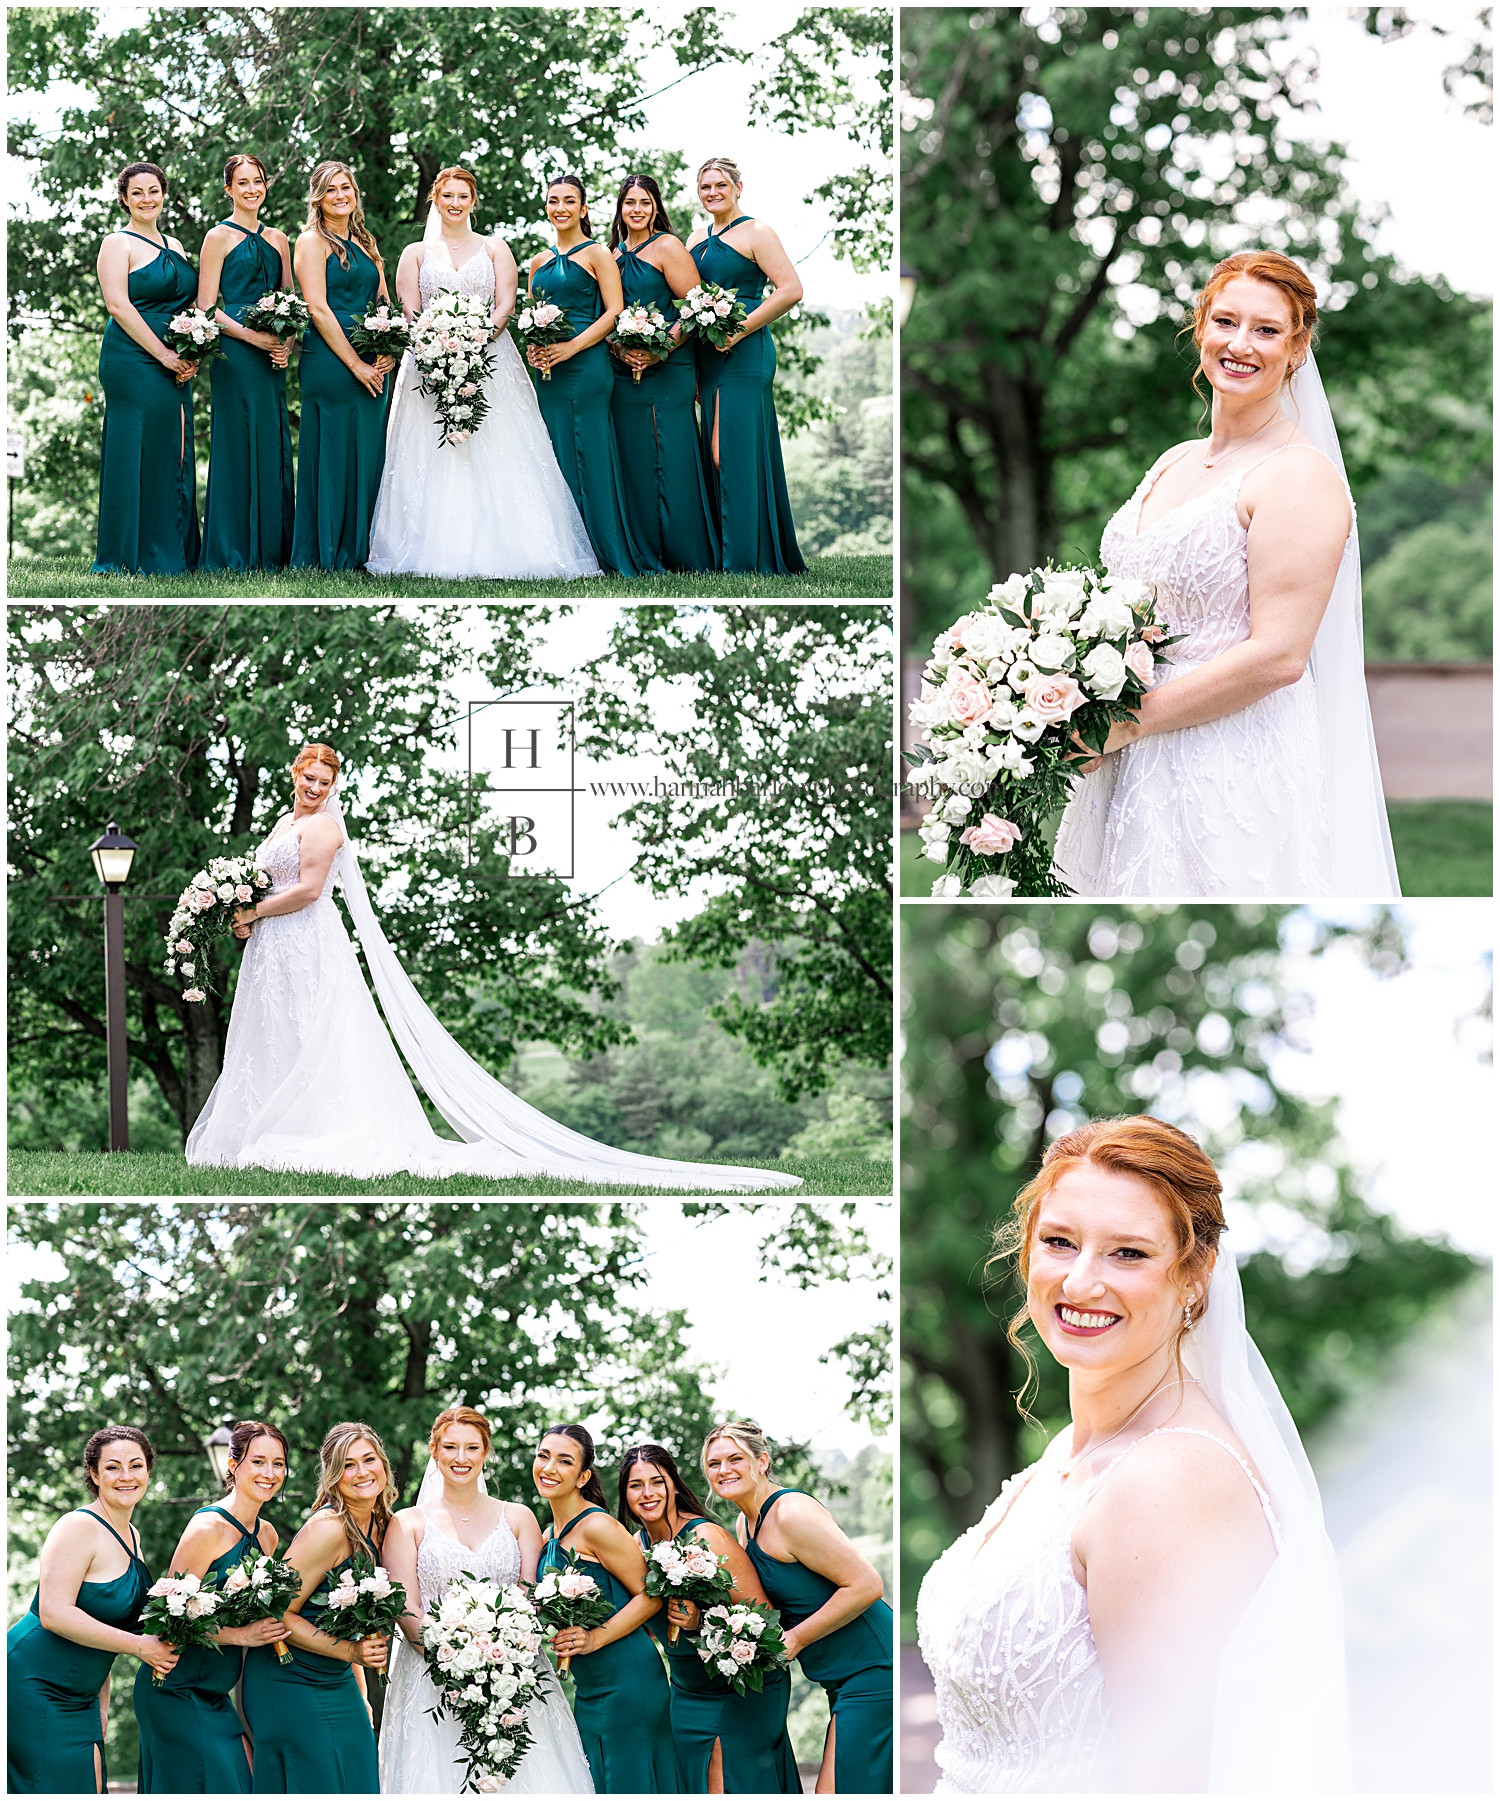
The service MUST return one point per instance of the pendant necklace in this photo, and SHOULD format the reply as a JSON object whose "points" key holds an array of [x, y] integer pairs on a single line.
{"points": [[1208, 462], [1119, 1429]]}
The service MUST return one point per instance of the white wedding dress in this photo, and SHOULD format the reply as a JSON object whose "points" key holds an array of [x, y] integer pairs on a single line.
{"points": [[494, 506], [419, 1752], [312, 1081]]}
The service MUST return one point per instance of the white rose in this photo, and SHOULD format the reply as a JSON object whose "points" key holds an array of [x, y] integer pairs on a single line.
{"points": [[946, 887], [988, 637], [1063, 591], [956, 807], [1104, 671], [993, 887], [225, 891], [1051, 650], [1134, 594], [1002, 714], [1010, 592], [1106, 616]]}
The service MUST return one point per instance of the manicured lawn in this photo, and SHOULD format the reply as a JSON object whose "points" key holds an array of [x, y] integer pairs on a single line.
{"points": [[67, 578], [163, 1173], [1443, 846]]}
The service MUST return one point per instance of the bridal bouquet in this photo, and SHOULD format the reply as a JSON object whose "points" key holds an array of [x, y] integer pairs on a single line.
{"points": [[364, 1603], [381, 333], [205, 911], [195, 335], [687, 1572], [643, 328], [742, 1642], [481, 1643], [281, 312], [180, 1611], [568, 1597], [1050, 662], [541, 324], [450, 343], [715, 313], [259, 1588]]}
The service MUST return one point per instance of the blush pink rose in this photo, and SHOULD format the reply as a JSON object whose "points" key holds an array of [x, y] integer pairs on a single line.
{"points": [[991, 837], [968, 700], [1053, 697], [1153, 634], [1141, 664], [574, 1584]]}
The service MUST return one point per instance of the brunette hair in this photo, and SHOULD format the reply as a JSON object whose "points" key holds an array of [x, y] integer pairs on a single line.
{"points": [[1175, 1168], [1281, 272], [94, 1450], [574, 181], [684, 1498], [244, 1435], [335, 1448], [317, 186], [122, 180], [459, 1416], [454, 174], [726, 165], [590, 1488], [746, 1434], [659, 219], [244, 156], [317, 753]]}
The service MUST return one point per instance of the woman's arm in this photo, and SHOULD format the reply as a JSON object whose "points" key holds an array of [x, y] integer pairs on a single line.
{"points": [[607, 1539], [810, 1533], [320, 842], [313, 1553], [310, 262], [409, 281], [67, 1557], [780, 271], [522, 1521], [507, 279], [204, 1538], [399, 1555], [113, 268]]}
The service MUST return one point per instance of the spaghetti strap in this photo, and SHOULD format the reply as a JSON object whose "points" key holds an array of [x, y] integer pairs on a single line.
{"points": [[259, 231], [133, 1555], [1213, 1438], [771, 1501], [125, 231], [558, 1537], [224, 1513]]}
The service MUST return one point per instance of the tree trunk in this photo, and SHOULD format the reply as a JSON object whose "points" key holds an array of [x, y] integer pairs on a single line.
{"points": [[1017, 537], [202, 1058]]}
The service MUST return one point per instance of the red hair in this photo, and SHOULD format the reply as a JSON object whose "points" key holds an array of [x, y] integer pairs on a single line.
{"points": [[459, 1416], [1281, 272], [317, 753]]}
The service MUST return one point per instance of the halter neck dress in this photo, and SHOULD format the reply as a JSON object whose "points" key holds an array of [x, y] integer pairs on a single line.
{"points": [[656, 426], [148, 478], [191, 1738], [247, 517], [307, 1718], [53, 1684], [575, 404], [751, 1728], [854, 1664], [747, 491], [621, 1696]]}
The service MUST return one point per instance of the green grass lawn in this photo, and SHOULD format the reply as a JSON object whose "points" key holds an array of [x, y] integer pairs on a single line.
{"points": [[68, 578], [162, 1173]]}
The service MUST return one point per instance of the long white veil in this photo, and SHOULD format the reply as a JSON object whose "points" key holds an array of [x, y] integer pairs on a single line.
{"points": [[483, 1111], [1363, 862], [1281, 1723]]}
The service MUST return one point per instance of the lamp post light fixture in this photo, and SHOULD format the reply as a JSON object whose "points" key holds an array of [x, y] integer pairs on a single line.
{"points": [[910, 282], [218, 1449], [113, 854]]}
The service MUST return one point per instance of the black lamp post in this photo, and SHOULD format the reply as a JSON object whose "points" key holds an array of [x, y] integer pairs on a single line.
{"points": [[113, 855], [218, 1450]]}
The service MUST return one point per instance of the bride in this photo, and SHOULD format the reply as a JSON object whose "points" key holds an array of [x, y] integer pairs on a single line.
{"points": [[455, 1529], [311, 1079], [1154, 1605], [496, 505], [1250, 769]]}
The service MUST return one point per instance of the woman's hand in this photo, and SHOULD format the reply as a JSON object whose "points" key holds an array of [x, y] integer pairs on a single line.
{"points": [[639, 359], [729, 343], [369, 376], [370, 1652], [244, 919], [791, 1643], [548, 356], [263, 1632], [264, 340], [1121, 732], [684, 1614], [160, 1655], [179, 366], [384, 365], [577, 1641]]}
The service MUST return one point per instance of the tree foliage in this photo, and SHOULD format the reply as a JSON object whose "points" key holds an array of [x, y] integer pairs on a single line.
{"points": [[1022, 1023]]}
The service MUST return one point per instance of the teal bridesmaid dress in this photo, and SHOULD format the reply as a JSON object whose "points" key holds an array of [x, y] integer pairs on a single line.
{"points": [[307, 1718], [52, 1685], [341, 440], [751, 1728], [621, 1706], [191, 1738], [247, 517], [576, 406], [656, 428], [854, 1665], [748, 489], [148, 478]]}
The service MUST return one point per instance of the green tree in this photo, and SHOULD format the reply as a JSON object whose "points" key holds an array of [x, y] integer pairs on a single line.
{"points": [[1022, 1023], [180, 722], [1068, 180]]}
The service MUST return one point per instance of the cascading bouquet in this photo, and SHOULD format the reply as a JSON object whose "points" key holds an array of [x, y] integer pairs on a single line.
{"points": [[259, 1588], [381, 332], [643, 328], [205, 911], [687, 1572], [450, 343], [281, 312], [742, 1642], [481, 1644], [195, 335], [541, 324], [364, 1603], [1012, 690], [570, 1597], [180, 1611], [715, 313]]}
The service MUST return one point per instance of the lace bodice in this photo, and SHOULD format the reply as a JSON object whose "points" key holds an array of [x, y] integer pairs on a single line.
{"points": [[1004, 1628], [281, 858], [476, 277], [440, 1557]]}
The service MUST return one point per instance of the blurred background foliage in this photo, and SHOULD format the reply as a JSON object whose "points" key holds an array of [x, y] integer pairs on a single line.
{"points": [[1020, 1023], [1069, 177]]}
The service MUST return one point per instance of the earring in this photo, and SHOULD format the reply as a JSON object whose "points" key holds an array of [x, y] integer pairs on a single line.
{"points": [[1187, 1315]]}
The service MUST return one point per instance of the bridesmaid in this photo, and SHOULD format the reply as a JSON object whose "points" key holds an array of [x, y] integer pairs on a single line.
{"points": [[656, 424], [727, 1744], [580, 276], [621, 1705], [341, 444], [89, 1597], [247, 518], [148, 480], [836, 1624], [741, 445], [192, 1742], [310, 1721]]}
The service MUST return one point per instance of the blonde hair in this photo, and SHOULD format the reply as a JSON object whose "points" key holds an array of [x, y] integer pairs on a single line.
{"points": [[459, 1416], [318, 185], [726, 165], [454, 174], [335, 1448], [746, 1434]]}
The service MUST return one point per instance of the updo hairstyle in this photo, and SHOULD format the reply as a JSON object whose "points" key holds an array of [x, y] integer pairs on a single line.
{"points": [[317, 753], [254, 162], [746, 1434], [454, 174], [94, 1450], [1281, 272], [122, 180], [725, 164], [246, 1432], [459, 1416]]}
